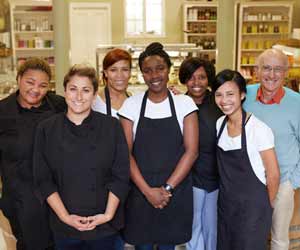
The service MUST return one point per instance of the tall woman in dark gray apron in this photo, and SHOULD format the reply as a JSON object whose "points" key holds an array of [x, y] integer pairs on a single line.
{"points": [[244, 205], [159, 207]]}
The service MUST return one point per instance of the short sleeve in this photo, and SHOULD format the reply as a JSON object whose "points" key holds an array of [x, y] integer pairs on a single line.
{"points": [[128, 109], [187, 105], [264, 137]]}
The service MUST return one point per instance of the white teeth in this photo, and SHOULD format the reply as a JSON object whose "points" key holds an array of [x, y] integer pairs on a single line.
{"points": [[155, 83], [197, 89]]}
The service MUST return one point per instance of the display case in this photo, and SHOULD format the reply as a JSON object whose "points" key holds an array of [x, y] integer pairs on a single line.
{"points": [[177, 53], [200, 27], [260, 26], [32, 32]]}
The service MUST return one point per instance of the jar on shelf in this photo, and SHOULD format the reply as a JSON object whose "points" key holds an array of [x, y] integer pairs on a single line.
{"points": [[254, 28], [32, 25]]}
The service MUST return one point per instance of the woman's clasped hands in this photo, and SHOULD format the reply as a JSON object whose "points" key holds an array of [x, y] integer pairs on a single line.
{"points": [[86, 223]]}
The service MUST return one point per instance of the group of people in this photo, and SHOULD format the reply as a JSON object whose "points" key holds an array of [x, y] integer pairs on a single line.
{"points": [[215, 168]]}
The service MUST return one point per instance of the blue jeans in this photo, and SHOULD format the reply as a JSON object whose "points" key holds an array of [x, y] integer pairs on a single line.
{"points": [[106, 243], [151, 247], [119, 243], [204, 234]]}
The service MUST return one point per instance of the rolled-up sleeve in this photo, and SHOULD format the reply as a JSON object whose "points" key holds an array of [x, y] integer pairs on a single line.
{"points": [[42, 173], [119, 184]]}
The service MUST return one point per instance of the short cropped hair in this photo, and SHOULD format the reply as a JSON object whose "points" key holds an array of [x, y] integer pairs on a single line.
{"points": [[34, 63], [82, 70]]}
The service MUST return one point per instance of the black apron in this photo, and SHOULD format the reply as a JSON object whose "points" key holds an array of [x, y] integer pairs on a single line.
{"points": [[244, 210], [29, 219], [157, 148]]}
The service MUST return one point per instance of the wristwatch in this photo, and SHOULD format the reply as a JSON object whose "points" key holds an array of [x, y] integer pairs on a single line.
{"points": [[168, 188]]}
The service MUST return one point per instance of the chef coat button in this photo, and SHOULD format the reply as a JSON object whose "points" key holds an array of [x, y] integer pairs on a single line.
{"points": [[92, 188], [93, 147]]}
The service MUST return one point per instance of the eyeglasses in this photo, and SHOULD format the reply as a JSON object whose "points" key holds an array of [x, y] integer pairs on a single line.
{"points": [[276, 69]]}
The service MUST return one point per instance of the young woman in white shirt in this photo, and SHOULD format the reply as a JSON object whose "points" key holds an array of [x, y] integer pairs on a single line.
{"points": [[248, 169], [162, 134]]}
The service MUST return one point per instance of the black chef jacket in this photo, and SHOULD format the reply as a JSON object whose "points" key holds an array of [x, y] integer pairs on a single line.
{"points": [[82, 163], [17, 129], [205, 173]]}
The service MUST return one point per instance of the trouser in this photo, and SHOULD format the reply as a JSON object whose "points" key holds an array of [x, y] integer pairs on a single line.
{"points": [[151, 247], [204, 236], [106, 243], [119, 243], [282, 216]]}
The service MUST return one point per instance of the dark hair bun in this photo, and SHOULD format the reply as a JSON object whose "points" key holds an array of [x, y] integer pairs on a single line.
{"points": [[154, 48]]}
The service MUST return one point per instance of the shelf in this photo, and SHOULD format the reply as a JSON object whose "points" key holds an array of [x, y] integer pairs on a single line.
{"points": [[202, 21], [201, 34], [265, 34], [32, 12], [34, 32], [30, 49], [253, 50], [207, 50], [248, 65], [266, 21]]}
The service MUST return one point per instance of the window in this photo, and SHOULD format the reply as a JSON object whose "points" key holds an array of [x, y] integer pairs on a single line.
{"points": [[144, 18]]}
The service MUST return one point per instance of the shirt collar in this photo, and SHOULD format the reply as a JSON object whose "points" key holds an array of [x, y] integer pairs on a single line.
{"points": [[276, 99]]}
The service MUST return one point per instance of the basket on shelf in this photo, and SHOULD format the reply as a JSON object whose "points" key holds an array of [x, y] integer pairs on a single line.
{"points": [[5, 52]]}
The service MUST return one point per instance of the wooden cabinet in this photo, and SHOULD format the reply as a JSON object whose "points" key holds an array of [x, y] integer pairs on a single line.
{"points": [[260, 26], [200, 27]]}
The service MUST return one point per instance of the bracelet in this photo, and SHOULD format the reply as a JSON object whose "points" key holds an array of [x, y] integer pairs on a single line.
{"points": [[168, 188]]}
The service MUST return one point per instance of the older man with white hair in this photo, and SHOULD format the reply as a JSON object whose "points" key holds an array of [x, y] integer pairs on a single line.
{"points": [[279, 108]]}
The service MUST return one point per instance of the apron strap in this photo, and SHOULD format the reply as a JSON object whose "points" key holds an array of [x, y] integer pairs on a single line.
{"points": [[222, 128], [243, 137], [172, 105], [243, 132], [107, 99]]}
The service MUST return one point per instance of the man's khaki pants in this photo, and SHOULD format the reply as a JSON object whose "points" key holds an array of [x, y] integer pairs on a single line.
{"points": [[282, 216]]}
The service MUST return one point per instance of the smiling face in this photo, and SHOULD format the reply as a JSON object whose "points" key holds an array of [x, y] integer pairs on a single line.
{"points": [[229, 98], [117, 75], [33, 86], [79, 95], [156, 73], [197, 84], [271, 73]]}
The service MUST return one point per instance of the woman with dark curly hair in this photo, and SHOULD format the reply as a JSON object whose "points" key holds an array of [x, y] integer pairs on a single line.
{"points": [[19, 115], [162, 134], [198, 75]]}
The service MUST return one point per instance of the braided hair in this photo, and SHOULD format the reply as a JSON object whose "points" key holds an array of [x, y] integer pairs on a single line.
{"points": [[155, 49]]}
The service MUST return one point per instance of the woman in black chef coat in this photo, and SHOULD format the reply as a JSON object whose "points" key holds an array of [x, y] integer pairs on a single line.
{"points": [[19, 115], [81, 168], [162, 133]]}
